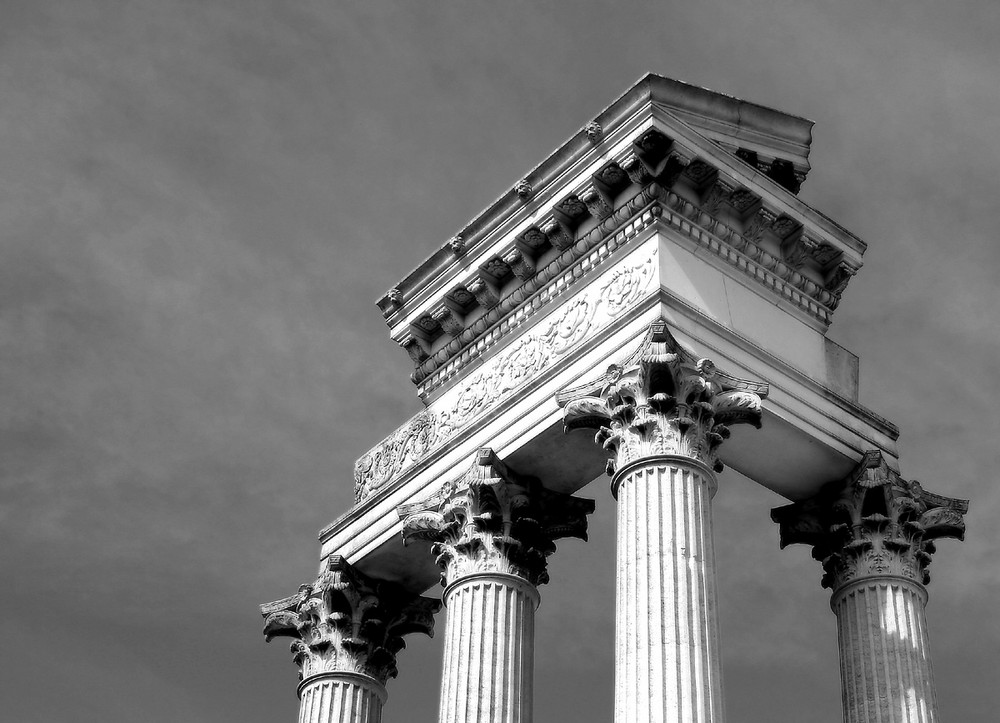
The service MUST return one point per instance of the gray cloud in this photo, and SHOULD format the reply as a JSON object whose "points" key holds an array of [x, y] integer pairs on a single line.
{"points": [[200, 203]]}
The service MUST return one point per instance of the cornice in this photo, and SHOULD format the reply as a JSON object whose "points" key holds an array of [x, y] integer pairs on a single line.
{"points": [[692, 112], [717, 115], [652, 206], [715, 192]]}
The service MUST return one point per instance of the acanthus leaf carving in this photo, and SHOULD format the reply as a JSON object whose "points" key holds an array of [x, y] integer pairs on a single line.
{"points": [[662, 400], [492, 520], [873, 523], [347, 622]]}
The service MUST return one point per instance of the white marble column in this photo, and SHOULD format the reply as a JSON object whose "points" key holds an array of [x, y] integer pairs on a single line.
{"points": [[488, 649], [491, 532], [885, 662], [345, 630], [667, 659], [874, 532], [663, 414], [341, 697]]}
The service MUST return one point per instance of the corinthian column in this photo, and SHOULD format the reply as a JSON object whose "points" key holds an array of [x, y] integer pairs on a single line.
{"points": [[662, 415], [346, 630], [874, 534], [491, 532]]}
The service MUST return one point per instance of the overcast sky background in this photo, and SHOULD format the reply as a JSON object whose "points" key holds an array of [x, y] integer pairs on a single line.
{"points": [[200, 202]]}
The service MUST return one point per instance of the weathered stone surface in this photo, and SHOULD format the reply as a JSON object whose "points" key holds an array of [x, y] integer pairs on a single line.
{"points": [[663, 414], [872, 524], [489, 650], [662, 401], [489, 520], [491, 531], [346, 630], [667, 657], [874, 532]]}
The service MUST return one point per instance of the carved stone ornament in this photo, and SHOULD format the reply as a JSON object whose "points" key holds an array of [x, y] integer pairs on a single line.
{"points": [[533, 239], [596, 204], [636, 170], [516, 366], [594, 131], [346, 622], [557, 235], [653, 143], [523, 266], [662, 400], [613, 176], [492, 520], [457, 244], [874, 523], [522, 189], [484, 294]]}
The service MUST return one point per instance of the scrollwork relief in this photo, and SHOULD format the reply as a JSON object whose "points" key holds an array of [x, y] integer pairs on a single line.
{"points": [[525, 359]]}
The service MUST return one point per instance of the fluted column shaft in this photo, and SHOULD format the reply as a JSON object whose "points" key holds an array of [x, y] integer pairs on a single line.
{"points": [[667, 659], [341, 698], [885, 665], [488, 650], [875, 533]]}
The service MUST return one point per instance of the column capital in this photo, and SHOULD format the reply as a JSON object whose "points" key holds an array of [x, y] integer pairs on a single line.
{"points": [[662, 400], [490, 519], [873, 523], [345, 622]]}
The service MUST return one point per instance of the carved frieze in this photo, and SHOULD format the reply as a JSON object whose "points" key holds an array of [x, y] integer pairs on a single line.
{"points": [[873, 523], [493, 520], [662, 400], [346, 622], [405, 446], [526, 358]]}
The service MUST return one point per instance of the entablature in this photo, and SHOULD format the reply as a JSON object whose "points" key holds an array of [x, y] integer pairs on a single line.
{"points": [[639, 159]]}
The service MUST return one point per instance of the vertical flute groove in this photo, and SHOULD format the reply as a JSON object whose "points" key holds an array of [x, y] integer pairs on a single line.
{"points": [[883, 646], [336, 698], [489, 657], [667, 658]]}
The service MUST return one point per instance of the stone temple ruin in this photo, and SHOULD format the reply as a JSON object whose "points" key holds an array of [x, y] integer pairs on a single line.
{"points": [[652, 301]]}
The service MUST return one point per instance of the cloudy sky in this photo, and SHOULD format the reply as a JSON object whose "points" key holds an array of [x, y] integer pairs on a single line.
{"points": [[200, 201]]}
